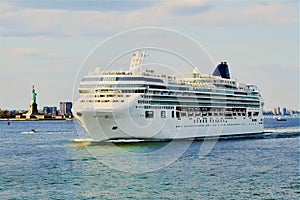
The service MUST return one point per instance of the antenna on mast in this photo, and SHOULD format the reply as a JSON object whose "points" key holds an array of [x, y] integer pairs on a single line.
{"points": [[136, 61]]}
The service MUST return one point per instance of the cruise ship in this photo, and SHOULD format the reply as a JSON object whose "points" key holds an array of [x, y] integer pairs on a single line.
{"points": [[140, 103]]}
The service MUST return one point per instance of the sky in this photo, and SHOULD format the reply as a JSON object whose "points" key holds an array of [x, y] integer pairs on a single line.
{"points": [[44, 43]]}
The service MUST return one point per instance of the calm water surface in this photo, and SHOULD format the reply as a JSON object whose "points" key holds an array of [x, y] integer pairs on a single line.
{"points": [[50, 165]]}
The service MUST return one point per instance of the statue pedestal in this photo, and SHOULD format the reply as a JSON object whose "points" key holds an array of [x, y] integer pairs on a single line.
{"points": [[34, 110]]}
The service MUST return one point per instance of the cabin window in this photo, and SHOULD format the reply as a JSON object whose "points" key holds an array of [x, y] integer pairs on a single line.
{"points": [[228, 114], [149, 114], [163, 114], [249, 114], [190, 114], [198, 115]]}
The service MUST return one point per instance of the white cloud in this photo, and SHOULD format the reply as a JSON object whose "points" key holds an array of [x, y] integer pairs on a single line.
{"points": [[20, 52], [84, 5], [242, 14], [273, 13], [27, 21]]}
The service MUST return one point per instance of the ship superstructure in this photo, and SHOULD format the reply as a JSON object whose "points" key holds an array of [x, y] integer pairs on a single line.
{"points": [[143, 104]]}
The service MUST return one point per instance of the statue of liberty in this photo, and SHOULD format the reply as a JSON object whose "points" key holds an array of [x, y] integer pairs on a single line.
{"points": [[33, 105], [33, 99]]}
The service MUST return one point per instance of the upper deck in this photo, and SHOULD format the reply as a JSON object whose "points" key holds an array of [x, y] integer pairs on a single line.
{"points": [[191, 88]]}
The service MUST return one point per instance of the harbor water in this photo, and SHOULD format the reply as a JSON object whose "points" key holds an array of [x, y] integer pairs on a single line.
{"points": [[47, 163]]}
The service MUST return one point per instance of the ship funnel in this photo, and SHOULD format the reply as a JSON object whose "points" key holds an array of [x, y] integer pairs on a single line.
{"points": [[222, 70]]}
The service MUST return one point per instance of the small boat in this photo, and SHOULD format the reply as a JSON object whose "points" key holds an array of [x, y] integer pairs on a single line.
{"points": [[280, 119]]}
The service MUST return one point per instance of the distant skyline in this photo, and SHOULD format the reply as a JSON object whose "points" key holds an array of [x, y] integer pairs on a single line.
{"points": [[43, 43]]}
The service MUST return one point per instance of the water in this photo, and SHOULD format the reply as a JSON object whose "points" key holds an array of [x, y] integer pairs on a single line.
{"points": [[50, 165]]}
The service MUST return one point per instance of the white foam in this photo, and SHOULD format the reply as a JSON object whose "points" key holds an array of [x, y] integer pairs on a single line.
{"points": [[284, 130], [28, 132], [83, 140], [126, 140]]}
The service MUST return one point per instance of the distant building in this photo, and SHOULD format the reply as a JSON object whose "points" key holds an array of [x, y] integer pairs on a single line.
{"points": [[277, 111], [295, 112], [65, 108], [285, 111], [270, 112], [50, 110]]}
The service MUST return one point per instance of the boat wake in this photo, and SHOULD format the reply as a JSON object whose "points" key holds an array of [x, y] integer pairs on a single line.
{"points": [[89, 140], [29, 132], [126, 140], [284, 130], [290, 132], [78, 140]]}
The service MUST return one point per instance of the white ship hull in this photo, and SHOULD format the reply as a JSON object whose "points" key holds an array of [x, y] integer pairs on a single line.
{"points": [[107, 124]]}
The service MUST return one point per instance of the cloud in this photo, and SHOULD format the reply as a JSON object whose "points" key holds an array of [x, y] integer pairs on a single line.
{"points": [[35, 22], [83, 5], [275, 13], [62, 18], [188, 7], [25, 51], [191, 10], [233, 13]]}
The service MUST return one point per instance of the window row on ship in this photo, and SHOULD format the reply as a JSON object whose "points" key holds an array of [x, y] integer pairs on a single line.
{"points": [[178, 102], [124, 78], [112, 91], [168, 93], [166, 88], [206, 98], [196, 103], [207, 111], [205, 92], [216, 114], [102, 101], [225, 102], [213, 117], [150, 79]]}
